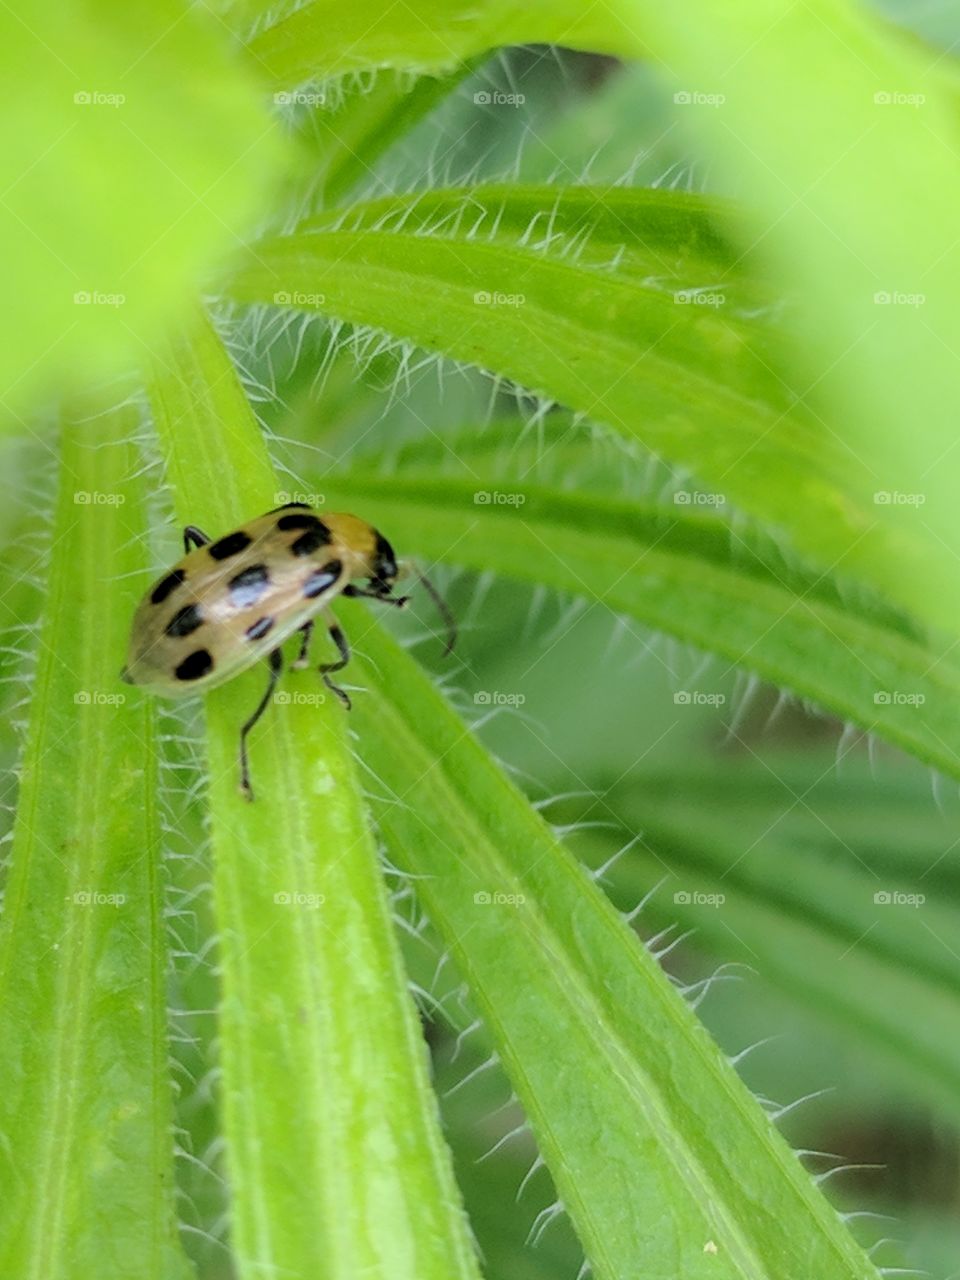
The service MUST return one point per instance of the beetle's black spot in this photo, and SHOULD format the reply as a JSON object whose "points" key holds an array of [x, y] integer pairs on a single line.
{"points": [[321, 579], [229, 546], [166, 585], [247, 587], [195, 665], [185, 620], [304, 505], [315, 537], [259, 628], [302, 520]]}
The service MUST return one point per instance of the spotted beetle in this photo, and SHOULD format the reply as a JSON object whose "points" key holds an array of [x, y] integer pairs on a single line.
{"points": [[229, 603]]}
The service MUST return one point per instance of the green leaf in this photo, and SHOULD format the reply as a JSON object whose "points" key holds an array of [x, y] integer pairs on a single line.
{"points": [[865, 806], [574, 293], [335, 1157], [693, 575], [356, 133], [322, 38], [658, 1151], [83, 1033], [142, 120], [501, 1191], [816, 108], [869, 948]]}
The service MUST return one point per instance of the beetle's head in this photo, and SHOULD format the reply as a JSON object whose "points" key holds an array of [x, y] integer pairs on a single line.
{"points": [[384, 569]]}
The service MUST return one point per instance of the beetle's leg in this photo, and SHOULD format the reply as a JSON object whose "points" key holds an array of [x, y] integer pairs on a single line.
{"points": [[343, 648], [193, 537], [383, 595], [360, 593], [275, 662], [302, 659]]}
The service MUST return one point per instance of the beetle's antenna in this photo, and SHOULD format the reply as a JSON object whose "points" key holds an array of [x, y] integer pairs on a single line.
{"points": [[443, 609], [407, 569]]}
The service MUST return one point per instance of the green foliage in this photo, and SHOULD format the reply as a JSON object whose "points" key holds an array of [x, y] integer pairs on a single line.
{"points": [[687, 573], [138, 120], [707, 400], [83, 1040], [313, 991], [322, 38], [580, 1015], [575, 294], [874, 263], [796, 897]]}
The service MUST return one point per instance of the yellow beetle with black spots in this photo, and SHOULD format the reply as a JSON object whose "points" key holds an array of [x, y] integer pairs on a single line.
{"points": [[229, 603]]}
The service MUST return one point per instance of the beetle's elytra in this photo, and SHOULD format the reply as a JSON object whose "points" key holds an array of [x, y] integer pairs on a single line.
{"points": [[232, 602]]}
